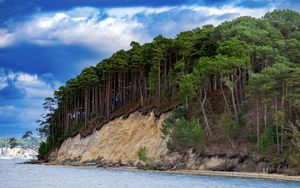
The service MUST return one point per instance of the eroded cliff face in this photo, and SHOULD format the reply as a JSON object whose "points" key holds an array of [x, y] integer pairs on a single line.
{"points": [[118, 140], [117, 144]]}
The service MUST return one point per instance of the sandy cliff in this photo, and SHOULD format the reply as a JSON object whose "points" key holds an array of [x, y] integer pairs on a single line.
{"points": [[119, 139], [117, 144]]}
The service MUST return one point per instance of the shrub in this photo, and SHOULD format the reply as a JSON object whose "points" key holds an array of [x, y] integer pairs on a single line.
{"points": [[13, 143], [242, 119], [182, 133], [76, 126], [43, 151], [295, 148], [252, 138], [229, 126], [267, 139], [142, 154]]}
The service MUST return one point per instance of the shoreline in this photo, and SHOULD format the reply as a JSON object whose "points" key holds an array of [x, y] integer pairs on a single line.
{"points": [[251, 175]]}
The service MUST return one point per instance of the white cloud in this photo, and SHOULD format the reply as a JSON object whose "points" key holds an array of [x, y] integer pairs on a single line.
{"points": [[6, 38], [29, 80], [130, 12], [3, 83], [80, 27], [31, 84], [106, 30], [3, 79]]}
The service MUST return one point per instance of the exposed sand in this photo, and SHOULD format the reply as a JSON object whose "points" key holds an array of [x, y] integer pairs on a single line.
{"points": [[119, 139]]}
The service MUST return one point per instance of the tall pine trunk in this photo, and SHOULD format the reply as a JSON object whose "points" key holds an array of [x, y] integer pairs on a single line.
{"points": [[257, 126]]}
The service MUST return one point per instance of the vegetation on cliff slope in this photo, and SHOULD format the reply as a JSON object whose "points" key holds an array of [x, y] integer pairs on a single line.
{"points": [[241, 77]]}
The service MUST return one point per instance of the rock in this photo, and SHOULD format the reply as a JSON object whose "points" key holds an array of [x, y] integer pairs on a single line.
{"points": [[166, 165], [247, 165], [32, 162], [131, 163], [141, 165], [290, 172]]}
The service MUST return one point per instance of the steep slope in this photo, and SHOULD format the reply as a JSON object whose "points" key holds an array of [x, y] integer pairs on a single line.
{"points": [[119, 139]]}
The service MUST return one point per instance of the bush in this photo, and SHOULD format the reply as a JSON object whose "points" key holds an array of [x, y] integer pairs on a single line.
{"points": [[142, 154], [12, 143], [242, 119], [267, 139], [74, 128], [295, 148], [182, 133], [252, 138], [43, 151], [229, 126]]}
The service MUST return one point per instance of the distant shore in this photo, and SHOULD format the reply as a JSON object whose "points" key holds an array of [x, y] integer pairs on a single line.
{"points": [[17, 153]]}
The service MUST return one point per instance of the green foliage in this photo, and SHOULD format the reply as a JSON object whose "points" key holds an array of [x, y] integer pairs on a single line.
{"points": [[177, 113], [187, 86], [242, 119], [287, 21], [281, 118], [267, 140], [76, 126], [229, 126], [234, 48], [252, 138], [195, 132], [143, 154], [182, 133], [27, 134], [43, 151], [12, 142], [295, 148], [153, 79]]}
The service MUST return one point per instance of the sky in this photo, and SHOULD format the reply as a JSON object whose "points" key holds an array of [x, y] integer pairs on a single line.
{"points": [[44, 43]]}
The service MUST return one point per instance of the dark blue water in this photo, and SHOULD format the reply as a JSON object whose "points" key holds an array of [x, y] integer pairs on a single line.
{"points": [[35, 176]]}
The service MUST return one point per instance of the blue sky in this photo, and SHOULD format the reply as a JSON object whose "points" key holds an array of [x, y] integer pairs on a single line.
{"points": [[43, 44]]}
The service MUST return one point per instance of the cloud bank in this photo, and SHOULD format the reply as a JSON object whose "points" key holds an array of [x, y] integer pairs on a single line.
{"points": [[107, 30]]}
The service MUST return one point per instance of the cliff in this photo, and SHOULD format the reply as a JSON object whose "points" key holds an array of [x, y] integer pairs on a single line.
{"points": [[118, 140]]}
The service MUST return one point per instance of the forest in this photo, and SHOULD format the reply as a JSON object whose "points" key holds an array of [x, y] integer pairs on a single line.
{"points": [[239, 79]]}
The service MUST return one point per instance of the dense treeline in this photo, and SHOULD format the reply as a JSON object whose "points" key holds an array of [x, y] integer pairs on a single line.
{"points": [[241, 73]]}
